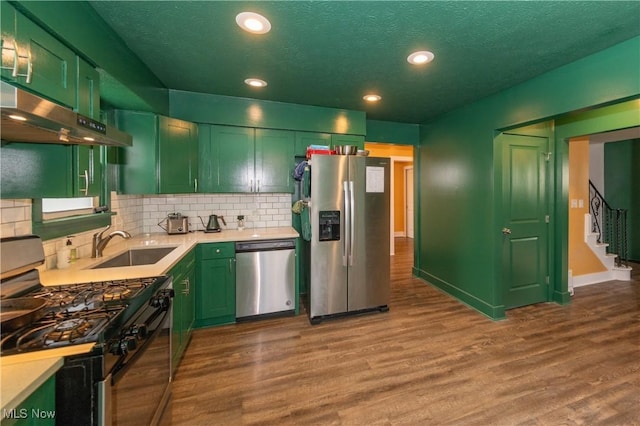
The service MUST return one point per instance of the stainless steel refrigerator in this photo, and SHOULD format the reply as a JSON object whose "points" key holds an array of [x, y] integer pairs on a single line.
{"points": [[349, 215]]}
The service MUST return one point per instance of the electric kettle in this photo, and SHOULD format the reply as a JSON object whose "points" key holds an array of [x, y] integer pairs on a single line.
{"points": [[214, 225]]}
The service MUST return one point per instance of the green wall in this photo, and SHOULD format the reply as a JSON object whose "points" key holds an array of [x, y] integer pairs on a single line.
{"points": [[392, 132], [622, 186], [227, 110], [459, 241]]}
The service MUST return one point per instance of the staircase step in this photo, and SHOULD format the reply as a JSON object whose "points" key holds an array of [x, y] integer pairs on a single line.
{"points": [[622, 273]]}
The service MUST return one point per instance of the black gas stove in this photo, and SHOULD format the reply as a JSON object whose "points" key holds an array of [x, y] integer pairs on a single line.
{"points": [[128, 321], [81, 313]]}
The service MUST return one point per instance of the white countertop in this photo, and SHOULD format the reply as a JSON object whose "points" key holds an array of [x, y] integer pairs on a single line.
{"points": [[79, 271], [21, 375], [18, 381]]}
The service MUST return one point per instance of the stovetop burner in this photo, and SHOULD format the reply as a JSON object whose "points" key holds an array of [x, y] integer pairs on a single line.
{"points": [[78, 313]]}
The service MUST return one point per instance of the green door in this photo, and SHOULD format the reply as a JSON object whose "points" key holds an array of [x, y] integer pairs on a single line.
{"points": [[524, 216], [274, 161], [232, 152]]}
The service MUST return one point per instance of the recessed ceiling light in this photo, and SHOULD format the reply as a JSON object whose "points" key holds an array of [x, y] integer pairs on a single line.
{"points": [[421, 57], [253, 22], [17, 117], [88, 139], [372, 98], [255, 82]]}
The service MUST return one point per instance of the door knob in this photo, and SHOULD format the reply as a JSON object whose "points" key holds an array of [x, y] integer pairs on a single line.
{"points": [[506, 231]]}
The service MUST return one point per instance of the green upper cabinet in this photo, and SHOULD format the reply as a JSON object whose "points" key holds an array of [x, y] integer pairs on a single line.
{"points": [[178, 155], [274, 160], [33, 170], [34, 59], [356, 140], [304, 139], [163, 158], [88, 161], [88, 90], [241, 159], [226, 158]]}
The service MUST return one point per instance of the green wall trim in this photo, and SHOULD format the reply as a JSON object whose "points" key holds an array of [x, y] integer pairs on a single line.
{"points": [[246, 112], [562, 297], [392, 132], [493, 312], [82, 29], [68, 226]]}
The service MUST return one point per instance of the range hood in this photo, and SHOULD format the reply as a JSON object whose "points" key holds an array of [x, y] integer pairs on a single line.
{"points": [[43, 121]]}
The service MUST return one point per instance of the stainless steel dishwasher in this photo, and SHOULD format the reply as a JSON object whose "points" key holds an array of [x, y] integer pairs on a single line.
{"points": [[265, 277]]}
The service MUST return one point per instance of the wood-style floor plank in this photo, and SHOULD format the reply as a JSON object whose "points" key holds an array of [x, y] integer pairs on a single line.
{"points": [[429, 360]]}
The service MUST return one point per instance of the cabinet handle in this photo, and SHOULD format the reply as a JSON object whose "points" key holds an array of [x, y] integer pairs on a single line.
{"points": [[195, 184], [231, 264], [251, 185], [85, 175], [29, 67], [258, 186], [187, 286], [14, 69]]}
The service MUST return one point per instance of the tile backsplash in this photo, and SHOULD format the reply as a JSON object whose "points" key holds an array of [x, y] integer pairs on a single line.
{"points": [[140, 214]]}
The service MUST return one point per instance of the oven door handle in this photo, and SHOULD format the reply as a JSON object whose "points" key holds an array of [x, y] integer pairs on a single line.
{"points": [[125, 363]]}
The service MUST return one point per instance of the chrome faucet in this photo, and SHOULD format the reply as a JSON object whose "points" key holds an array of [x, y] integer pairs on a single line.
{"points": [[100, 243]]}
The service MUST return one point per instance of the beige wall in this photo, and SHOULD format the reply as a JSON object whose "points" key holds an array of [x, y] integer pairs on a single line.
{"points": [[582, 260]]}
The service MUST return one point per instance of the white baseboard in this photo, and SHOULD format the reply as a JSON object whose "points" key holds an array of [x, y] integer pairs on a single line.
{"points": [[399, 234]]}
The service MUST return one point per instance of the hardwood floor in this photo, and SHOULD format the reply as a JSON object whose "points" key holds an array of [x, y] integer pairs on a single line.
{"points": [[429, 360]]}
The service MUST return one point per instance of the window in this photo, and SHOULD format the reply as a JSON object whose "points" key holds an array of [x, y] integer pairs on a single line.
{"points": [[56, 208]]}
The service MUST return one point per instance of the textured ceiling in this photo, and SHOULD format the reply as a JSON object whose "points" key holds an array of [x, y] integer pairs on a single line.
{"points": [[331, 53]]}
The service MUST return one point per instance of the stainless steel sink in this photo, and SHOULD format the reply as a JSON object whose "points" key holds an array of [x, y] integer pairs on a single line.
{"points": [[135, 257]]}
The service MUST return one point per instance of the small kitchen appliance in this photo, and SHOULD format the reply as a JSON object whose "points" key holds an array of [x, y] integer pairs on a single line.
{"points": [[214, 225], [176, 224]]}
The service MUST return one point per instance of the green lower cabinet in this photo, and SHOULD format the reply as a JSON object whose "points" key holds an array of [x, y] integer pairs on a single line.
{"points": [[184, 281], [216, 289], [38, 409]]}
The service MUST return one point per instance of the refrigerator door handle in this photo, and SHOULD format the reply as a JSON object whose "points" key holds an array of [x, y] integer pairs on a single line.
{"points": [[347, 215], [352, 215]]}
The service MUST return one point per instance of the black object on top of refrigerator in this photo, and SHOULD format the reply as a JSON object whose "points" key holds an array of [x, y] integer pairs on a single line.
{"points": [[350, 244]]}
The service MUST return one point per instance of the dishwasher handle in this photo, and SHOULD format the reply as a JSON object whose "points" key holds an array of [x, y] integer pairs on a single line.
{"points": [[265, 245]]}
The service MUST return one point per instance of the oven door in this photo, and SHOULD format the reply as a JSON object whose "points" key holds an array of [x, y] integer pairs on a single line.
{"points": [[138, 388]]}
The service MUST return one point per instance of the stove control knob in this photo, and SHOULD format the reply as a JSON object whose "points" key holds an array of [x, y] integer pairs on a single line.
{"points": [[138, 331], [161, 301], [127, 344]]}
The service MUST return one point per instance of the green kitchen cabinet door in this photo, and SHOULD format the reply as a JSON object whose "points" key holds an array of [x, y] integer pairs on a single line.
{"points": [[274, 160], [51, 66], [216, 286], [88, 90], [39, 409], [10, 62], [30, 170], [304, 139], [232, 154], [138, 163], [88, 170], [178, 156], [183, 306], [356, 140]]}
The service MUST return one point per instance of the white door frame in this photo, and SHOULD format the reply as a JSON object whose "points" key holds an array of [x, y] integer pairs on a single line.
{"points": [[393, 199], [406, 191]]}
